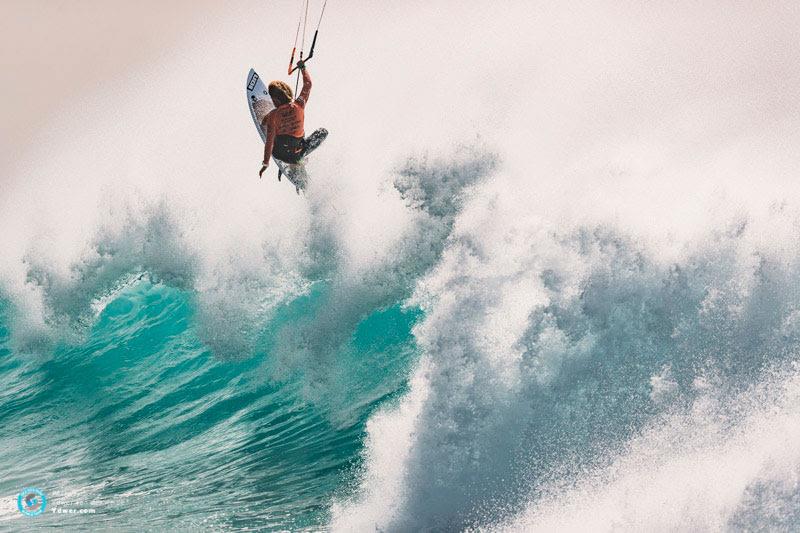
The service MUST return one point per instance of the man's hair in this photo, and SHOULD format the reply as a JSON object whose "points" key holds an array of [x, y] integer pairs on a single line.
{"points": [[280, 92]]}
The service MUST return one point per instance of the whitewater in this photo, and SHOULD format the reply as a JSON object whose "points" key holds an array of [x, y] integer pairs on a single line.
{"points": [[545, 277]]}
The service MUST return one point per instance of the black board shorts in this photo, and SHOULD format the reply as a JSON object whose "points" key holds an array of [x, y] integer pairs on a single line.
{"points": [[289, 149]]}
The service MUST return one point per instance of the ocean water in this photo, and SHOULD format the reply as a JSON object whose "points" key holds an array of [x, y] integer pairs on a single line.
{"points": [[140, 421], [537, 379], [561, 298]]}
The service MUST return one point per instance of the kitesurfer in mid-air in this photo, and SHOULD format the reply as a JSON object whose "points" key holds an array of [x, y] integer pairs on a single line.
{"points": [[284, 124]]}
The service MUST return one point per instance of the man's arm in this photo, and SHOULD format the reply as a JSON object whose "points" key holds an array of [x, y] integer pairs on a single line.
{"points": [[269, 145], [306, 90], [270, 142]]}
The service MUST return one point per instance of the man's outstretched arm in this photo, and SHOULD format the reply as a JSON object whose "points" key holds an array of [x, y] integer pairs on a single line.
{"points": [[306, 90]]}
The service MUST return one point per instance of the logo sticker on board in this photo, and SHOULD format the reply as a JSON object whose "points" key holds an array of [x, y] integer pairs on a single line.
{"points": [[252, 82]]}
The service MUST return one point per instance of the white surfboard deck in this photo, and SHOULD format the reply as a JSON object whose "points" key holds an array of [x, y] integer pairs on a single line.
{"points": [[260, 104]]}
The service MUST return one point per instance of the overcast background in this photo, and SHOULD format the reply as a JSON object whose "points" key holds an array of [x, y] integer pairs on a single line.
{"points": [[74, 44]]}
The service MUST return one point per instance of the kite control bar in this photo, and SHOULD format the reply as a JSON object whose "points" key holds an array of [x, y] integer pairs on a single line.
{"points": [[291, 61], [306, 60], [304, 20]]}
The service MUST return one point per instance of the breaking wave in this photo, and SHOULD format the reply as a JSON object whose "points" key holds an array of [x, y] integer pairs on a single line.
{"points": [[574, 303]]}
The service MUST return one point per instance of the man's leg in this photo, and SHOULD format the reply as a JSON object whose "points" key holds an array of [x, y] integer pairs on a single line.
{"points": [[313, 141]]}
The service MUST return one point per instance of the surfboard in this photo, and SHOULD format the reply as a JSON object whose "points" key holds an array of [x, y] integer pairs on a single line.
{"points": [[260, 104]]}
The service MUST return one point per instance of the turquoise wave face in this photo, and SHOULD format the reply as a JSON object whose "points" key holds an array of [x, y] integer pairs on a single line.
{"points": [[142, 423], [558, 379]]}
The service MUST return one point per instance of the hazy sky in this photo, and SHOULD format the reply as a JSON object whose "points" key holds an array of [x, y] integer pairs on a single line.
{"points": [[654, 89], [73, 44]]}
